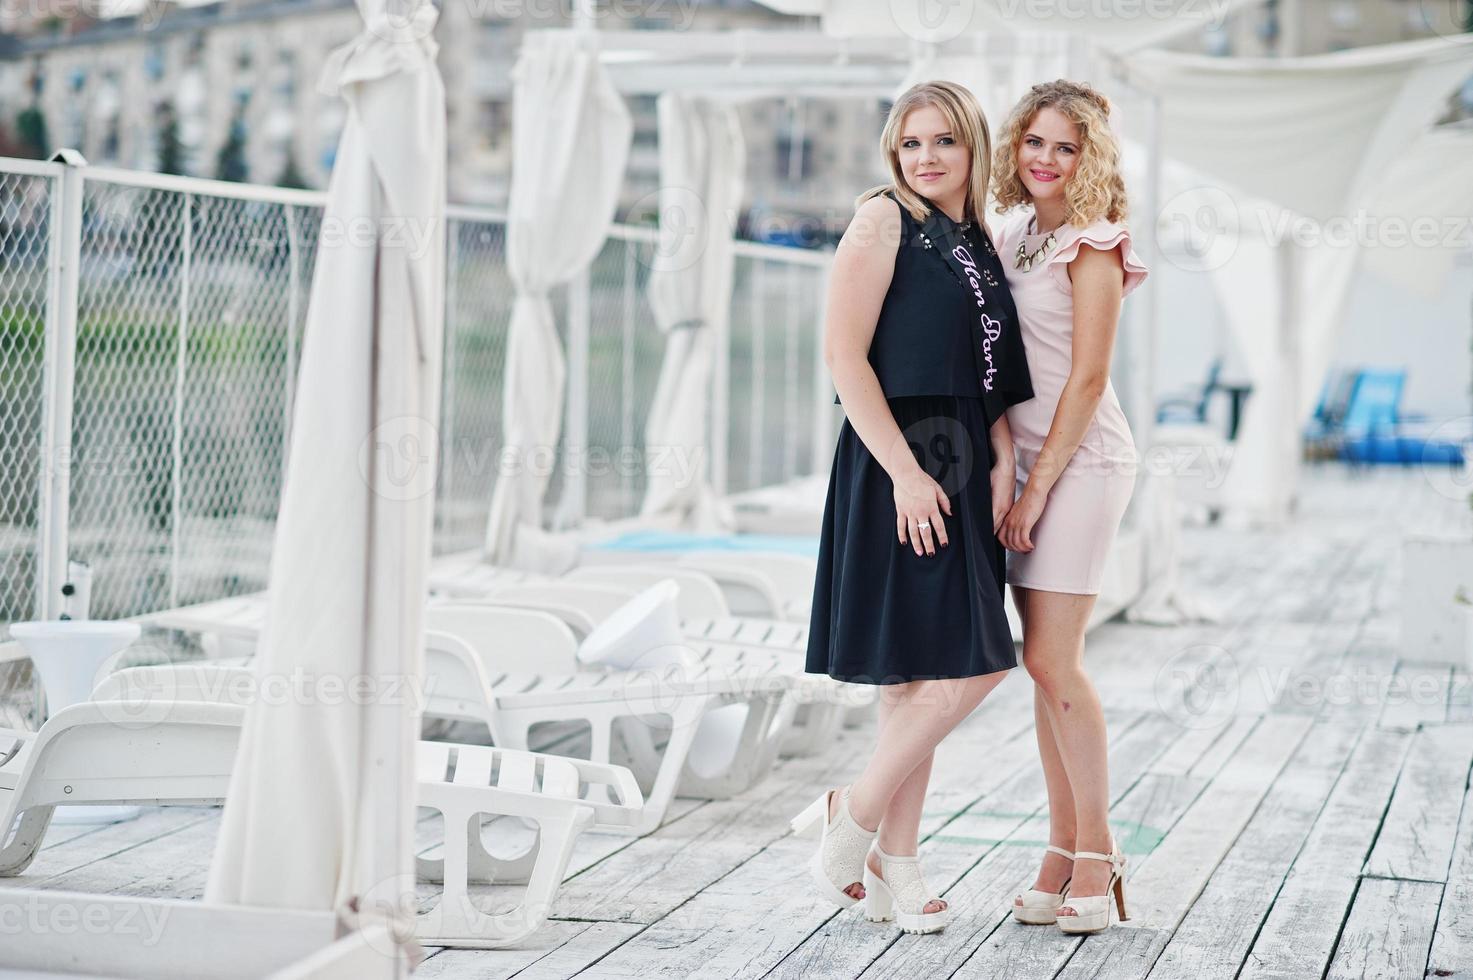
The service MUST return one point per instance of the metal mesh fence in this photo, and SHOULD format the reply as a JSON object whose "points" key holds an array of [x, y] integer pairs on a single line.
{"points": [[776, 307], [478, 300], [25, 203], [190, 307]]}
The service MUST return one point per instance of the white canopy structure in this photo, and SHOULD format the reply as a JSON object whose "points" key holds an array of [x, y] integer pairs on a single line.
{"points": [[321, 802], [1183, 114], [1326, 133], [1117, 27]]}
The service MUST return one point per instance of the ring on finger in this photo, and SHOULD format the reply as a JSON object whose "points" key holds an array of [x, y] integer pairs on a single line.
{"points": [[924, 525]]}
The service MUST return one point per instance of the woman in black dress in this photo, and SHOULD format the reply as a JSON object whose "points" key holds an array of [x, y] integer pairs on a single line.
{"points": [[923, 343]]}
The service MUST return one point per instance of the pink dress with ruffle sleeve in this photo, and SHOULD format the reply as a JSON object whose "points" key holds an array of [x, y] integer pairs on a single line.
{"points": [[1082, 515]]}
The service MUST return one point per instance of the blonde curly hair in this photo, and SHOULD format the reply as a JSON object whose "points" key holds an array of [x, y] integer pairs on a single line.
{"points": [[967, 123], [1097, 189]]}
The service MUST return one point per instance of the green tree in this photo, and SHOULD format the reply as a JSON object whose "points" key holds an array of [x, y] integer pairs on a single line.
{"points": [[291, 175], [231, 162], [30, 127]]}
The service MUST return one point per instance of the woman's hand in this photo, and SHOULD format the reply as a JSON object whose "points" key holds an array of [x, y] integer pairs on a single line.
{"points": [[919, 500], [1004, 477], [1017, 526]]}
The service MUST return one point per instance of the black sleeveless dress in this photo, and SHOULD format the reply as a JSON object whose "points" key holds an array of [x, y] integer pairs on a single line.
{"points": [[949, 357]]}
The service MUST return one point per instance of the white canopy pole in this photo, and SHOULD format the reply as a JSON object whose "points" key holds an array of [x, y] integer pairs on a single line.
{"points": [[320, 806]]}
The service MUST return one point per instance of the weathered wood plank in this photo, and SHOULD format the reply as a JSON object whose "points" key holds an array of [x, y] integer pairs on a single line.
{"points": [[1203, 818], [663, 870], [1416, 837], [559, 949], [1416, 695], [1298, 935], [1213, 938], [1004, 850], [1389, 930], [1452, 944]]}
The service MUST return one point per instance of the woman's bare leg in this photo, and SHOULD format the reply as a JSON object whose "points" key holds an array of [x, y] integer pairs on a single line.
{"points": [[1055, 870], [900, 827], [1053, 653], [920, 715]]}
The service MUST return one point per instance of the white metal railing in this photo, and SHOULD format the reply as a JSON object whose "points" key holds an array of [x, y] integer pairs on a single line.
{"points": [[150, 327]]}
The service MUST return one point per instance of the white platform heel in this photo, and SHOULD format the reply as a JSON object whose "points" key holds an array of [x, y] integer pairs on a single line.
{"points": [[1092, 912], [1040, 908], [901, 894], [842, 846]]}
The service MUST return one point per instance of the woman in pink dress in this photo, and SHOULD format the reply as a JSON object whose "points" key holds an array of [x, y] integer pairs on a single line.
{"points": [[1069, 263]]}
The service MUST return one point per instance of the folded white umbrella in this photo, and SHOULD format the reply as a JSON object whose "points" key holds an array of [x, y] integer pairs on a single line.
{"points": [[321, 802]]}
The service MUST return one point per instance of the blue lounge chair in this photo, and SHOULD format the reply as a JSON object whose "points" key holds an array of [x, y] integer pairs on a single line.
{"points": [[1375, 431]]}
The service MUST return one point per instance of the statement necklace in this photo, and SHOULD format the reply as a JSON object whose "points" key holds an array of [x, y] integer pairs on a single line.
{"points": [[1024, 260]]}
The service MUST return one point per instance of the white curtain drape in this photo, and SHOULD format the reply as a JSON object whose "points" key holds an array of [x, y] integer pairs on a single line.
{"points": [[702, 160], [321, 803], [570, 142], [1292, 152], [1430, 188]]}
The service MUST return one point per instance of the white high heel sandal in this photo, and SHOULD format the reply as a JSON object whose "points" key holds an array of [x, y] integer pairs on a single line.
{"points": [[1040, 908], [842, 846], [1092, 912], [901, 894]]}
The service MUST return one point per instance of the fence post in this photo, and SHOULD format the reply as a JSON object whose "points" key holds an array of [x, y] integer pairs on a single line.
{"points": [[64, 257], [573, 504], [823, 407], [181, 351]]}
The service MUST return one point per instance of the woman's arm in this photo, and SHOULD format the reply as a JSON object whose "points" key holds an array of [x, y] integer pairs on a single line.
{"points": [[863, 266], [1004, 470], [1098, 279]]}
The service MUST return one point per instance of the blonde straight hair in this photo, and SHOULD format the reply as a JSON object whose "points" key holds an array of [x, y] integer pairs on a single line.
{"points": [[967, 123]]}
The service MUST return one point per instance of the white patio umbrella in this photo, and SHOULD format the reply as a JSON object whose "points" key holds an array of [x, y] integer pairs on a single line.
{"points": [[320, 807], [570, 140], [701, 167]]}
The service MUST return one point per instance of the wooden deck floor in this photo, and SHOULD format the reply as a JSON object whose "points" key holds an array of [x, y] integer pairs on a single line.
{"points": [[1305, 813]]}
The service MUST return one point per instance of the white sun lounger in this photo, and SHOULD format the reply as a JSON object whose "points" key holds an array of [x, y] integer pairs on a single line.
{"points": [[143, 739], [824, 703], [581, 600], [762, 584], [515, 668]]}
